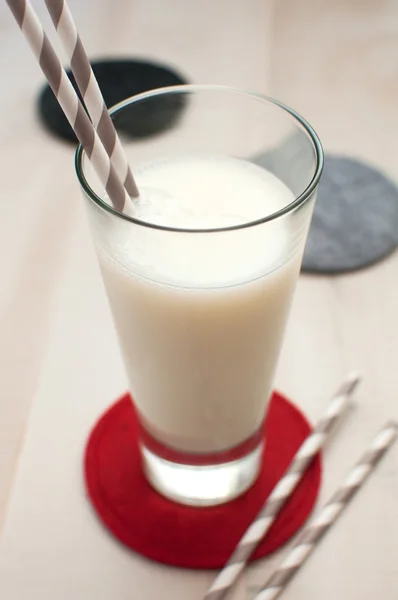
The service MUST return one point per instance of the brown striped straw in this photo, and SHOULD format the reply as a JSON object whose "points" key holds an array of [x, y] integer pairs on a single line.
{"points": [[90, 91], [282, 491], [69, 101], [314, 532]]}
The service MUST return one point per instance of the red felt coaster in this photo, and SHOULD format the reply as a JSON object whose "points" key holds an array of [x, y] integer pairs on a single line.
{"points": [[188, 536]]}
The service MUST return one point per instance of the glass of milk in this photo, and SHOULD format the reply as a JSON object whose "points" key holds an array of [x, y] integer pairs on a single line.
{"points": [[200, 273]]}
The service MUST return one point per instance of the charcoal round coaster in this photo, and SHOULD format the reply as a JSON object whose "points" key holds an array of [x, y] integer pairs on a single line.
{"points": [[355, 221], [118, 80]]}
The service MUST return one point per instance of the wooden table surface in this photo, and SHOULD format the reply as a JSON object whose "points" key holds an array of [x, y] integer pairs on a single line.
{"points": [[336, 63]]}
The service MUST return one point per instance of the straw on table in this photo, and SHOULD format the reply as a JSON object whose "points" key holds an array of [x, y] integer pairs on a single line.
{"points": [[282, 492], [314, 532], [90, 90], [69, 101]]}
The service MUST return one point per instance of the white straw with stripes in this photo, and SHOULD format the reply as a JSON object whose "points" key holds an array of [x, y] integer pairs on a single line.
{"points": [[313, 533], [90, 90], [69, 101], [282, 492]]}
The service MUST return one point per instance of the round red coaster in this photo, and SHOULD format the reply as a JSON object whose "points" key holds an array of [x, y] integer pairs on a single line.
{"points": [[187, 536]]}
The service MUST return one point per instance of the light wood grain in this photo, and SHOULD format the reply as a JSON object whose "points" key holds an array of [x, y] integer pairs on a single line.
{"points": [[336, 63]]}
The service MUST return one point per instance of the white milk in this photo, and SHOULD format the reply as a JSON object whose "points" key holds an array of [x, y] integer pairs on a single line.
{"points": [[200, 316]]}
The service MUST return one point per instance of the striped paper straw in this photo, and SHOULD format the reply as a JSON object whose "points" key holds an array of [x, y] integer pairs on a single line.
{"points": [[314, 532], [282, 491], [50, 64], [90, 90]]}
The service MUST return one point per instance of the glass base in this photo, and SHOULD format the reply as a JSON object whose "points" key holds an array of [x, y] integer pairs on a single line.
{"points": [[202, 485]]}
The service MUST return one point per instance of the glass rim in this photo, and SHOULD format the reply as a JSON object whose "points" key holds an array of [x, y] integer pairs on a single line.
{"points": [[192, 88]]}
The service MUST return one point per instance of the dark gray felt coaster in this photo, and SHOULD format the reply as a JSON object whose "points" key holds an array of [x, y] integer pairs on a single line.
{"points": [[355, 221], [119, 79]]}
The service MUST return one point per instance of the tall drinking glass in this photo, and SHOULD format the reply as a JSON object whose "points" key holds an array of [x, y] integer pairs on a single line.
{"points": [[200, 274]]}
